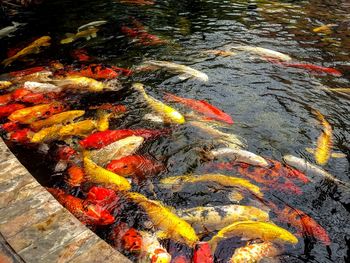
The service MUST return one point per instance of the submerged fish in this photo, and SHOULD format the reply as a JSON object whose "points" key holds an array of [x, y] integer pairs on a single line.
{"points": [[177, 182], [104, 197], [31, 114], [4, 84], [169, 114], [264, 52], [87, 34], [152, 250], [137, 166], [185, 71], [6, 31], [34, 47], [202, 253], [28, 71], [46, 134], [202, 107], [99, 175], [324, 141], [76, 176], [92, 24], [309, 168], [333, 154], [253, 230], [231, 140], [81, 128], [81, 84], [103, 120], [209, 219], [125, 238], [96, 71], [240, 155], [162, 218], [99, 140], [41, 87], [116, 150], [60, 118], [253, 253]]}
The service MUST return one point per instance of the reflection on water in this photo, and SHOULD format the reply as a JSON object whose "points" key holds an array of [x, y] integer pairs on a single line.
{"points": [[270, 103]]}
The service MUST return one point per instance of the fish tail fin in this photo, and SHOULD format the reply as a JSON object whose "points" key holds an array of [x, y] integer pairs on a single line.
{"points": [[318, 115], [171, 97]]}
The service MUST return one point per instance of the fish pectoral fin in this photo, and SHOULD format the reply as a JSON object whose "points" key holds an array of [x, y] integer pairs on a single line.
{"points": [[184, 76]]}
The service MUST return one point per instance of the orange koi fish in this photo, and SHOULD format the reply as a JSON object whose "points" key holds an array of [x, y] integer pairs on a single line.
{"points": [[96, 71], [10, 126], [25, 72], [104, 197], [88, 214], [31, 114], [7, 110], [202, 107], [76, 176], [137, 166], [126, 238], [303, 223], [65, 153], [80, 55], [5, 99], [21, 136], [202, 253]]}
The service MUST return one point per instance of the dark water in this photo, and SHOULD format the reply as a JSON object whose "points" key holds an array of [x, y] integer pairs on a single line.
{"points": [[270, 104]]}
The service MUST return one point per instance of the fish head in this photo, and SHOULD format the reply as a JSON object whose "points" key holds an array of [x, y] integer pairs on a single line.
{"points": [[160, 255], [104, 197], [43, 41], [202, 253], [124, 166], [132, 241], [97, 213]]}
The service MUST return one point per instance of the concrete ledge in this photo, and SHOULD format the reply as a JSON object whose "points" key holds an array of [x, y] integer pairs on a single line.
{"points": [[35, 228]]}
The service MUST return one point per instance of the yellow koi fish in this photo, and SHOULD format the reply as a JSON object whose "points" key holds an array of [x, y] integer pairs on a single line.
{"points": [[81, 128], [80, 84], [327, 29], [333, 154], [46, 134], [103, 120], [34, 113], [87, 34], [177, 182], [253, 253], [170, 224], [324, 141], [34, 47], [60, 118], [97, 174], [208, 219], [5, 84], [254, 230], [169, 114]]}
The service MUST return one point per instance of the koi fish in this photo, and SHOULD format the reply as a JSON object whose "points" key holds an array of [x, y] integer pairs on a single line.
{"points": [[41, 87], [231, 140], [87, 213], [169, 114], [31, 114], [6, 31], [98, 140], [116, 150], [310, 67], [75, 176], [136, 166], [185, 71], [99, 175], [25, 72], [254, 252], [103, 197], [152, 250], [21, 136], [332, 154], [240, 155], [209, 219], [252, 230], [327, 29], [34, 47], [46, 135], [6, 98], [309, 168], [92, 24], [177, 182], [324, 141], [38, 98], [126, 238], [96, 71], [65, 153], [77, 83], [103, 120], [162, 218], [81, 128], [303, 223], [60, 118], [41, 76], [202, 107], [5, 84], [264, 52], [87, 34], [10, 126], [202, 253], [80, 55], [118, 109]]}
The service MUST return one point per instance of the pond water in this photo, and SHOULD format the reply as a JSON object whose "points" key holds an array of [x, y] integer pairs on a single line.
{"points": [[271, 102]]}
